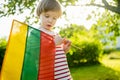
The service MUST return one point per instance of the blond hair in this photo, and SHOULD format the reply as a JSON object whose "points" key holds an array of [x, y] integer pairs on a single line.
{"points": [[49, 5]]}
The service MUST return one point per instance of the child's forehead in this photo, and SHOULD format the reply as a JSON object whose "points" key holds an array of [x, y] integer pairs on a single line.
{"points": [[52, 13]]}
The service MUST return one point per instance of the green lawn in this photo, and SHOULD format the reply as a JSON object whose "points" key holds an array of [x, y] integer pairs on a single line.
{"points": [[109, 69]]}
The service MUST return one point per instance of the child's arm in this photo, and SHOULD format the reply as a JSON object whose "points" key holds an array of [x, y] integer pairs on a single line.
{"points": [[58, 40], [66, 43]]}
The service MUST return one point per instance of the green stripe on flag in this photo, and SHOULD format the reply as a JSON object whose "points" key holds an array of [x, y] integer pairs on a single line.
{"points": [[32, 53]]}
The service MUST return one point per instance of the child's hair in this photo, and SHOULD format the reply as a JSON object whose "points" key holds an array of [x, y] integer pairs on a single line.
{"points": [[49, 5]]}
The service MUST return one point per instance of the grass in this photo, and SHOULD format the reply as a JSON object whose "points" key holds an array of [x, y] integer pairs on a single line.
{"points": [[109, 69], [112, 60]]}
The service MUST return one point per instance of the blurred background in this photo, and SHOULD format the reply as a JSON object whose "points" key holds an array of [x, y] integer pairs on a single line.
{"points": [[93, 26]]}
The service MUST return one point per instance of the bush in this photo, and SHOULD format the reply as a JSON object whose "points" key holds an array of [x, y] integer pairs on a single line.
{"points": [[86, 52], [3, 43], [108, 51], [86, 47]]}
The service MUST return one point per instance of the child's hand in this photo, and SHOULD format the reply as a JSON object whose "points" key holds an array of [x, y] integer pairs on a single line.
{"points": [[66, 45]]}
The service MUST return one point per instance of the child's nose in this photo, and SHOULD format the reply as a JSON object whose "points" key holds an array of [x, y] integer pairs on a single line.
{"points": [[50, 19]]}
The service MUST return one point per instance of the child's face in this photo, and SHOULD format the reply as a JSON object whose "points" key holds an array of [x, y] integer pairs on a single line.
{"points": [[48, 19]]}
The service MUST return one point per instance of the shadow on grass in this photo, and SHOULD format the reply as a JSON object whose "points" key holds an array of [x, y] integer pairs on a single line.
{"points": [[109, 69]]}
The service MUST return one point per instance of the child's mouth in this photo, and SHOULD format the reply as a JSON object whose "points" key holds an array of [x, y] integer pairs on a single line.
{"points": [[49, 25]]}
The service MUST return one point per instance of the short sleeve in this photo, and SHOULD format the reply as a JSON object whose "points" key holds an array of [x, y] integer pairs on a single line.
{"points": [[58, 39]]}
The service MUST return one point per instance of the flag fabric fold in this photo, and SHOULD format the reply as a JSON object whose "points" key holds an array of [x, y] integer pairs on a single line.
{"points": [[30, 54]]}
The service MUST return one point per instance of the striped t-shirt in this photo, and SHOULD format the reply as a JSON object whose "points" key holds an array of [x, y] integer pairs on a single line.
{"points": [[61, 69]]}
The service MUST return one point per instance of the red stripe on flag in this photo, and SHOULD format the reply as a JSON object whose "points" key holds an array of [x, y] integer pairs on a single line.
{"points": [[47, 57]]}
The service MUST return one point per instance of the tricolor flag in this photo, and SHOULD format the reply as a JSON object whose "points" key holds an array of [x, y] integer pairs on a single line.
{"points": [[30, 54]]}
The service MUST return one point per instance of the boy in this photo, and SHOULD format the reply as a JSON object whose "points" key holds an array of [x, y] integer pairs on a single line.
{"points": [[49, 11]]}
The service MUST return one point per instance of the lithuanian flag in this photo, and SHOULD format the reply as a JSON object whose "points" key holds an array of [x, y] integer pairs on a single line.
{"points": [[29, 54]]}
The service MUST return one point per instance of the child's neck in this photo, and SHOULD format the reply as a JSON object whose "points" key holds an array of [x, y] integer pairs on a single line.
{"points": [[50, 32]]}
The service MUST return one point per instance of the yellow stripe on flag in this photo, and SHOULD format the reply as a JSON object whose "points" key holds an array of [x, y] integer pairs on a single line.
{"points": [[13, 62]]}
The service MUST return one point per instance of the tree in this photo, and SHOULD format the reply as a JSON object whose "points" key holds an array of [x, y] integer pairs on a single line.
{"points": [[11, 7], [108, 6]]}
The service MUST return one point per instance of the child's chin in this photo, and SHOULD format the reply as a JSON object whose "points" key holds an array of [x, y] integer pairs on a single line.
{"points": [[48, 28]]}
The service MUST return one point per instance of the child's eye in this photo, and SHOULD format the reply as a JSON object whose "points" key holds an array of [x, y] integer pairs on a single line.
{"points": [[47, 16], [54, 18]]}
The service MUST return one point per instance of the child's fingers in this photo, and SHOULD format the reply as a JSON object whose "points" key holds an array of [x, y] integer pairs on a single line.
{"points": [[65, 41], [67, 44]]}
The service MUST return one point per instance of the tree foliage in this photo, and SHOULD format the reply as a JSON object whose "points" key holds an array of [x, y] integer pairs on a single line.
{"points": [[11, 7], [16, 7], [108, 28], [114, 7]]}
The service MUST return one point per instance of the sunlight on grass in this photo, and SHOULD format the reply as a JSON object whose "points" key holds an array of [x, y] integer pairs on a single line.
{"points": [[112, 60]]}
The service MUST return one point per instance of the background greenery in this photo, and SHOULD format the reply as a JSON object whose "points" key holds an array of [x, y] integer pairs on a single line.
{"points": [[85, 49], [88, 58], [3, 43]]}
